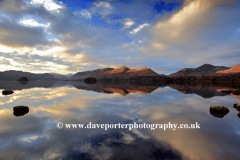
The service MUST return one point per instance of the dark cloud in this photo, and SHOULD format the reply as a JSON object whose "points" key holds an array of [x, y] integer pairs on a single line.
{"points": [[16, 35]]}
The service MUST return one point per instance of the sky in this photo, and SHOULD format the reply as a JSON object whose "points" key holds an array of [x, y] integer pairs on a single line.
{"points": [[69, 36]]}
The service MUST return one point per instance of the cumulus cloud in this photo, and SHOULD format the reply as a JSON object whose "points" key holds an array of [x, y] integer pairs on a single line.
{"points": [[48, 4], [201, 32], [116, 33]]}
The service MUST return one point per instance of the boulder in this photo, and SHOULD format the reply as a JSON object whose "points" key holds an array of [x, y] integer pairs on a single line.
{"points": [[237, 105], [219, 109], [218, 114], [20, 110], [6, 92]]}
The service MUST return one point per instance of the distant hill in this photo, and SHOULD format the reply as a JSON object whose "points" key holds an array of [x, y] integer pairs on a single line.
{"points": [[122, 72], [233, 70], [59, 76], [15, 75], [202, 70], [69, 75]]}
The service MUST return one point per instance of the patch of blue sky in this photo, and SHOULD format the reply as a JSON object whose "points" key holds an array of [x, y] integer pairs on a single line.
{"points": [[75, 5], [128, 39], [162, 6]]}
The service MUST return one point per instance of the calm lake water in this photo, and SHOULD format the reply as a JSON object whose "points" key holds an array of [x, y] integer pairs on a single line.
{"points": [[35, 135]]}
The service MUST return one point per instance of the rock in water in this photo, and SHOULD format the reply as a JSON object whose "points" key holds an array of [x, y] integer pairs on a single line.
{"points": [[218, 114], [6, 92], [237, 106], [20, 110], [219, 108]]}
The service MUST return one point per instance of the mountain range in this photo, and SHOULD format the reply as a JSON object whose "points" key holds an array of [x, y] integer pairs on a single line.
{"points": [[233, 70], [14, 75], [121, 73], [203, 70]]}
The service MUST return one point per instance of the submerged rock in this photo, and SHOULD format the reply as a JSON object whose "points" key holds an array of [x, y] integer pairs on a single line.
{"points": [[219, 108], [6, 92], [20, 110]]}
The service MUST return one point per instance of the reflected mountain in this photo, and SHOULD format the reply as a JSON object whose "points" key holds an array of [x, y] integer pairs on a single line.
{"points": [[20, 110], [203, 91], [122, 88], [17, 85], [233, 92]]}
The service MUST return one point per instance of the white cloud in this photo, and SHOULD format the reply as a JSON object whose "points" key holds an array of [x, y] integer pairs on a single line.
{"points": [[103, 8], [31, 22], [49, 52], [85, 13], [135, 30], [48, 4], [198, 33], [49, 65], [128, 23], [6, 49]]}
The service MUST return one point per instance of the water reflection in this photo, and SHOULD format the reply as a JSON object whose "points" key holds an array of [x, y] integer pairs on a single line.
{"points": [[35, 136], [218, 114], [23, 82], [18, 85], [203, 91], [123, 89]]}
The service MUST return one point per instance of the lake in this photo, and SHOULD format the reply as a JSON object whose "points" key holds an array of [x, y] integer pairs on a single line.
{"points": [[34, 134]]}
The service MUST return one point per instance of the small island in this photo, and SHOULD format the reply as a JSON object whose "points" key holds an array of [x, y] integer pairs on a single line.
{"points": [[23, 79]]}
